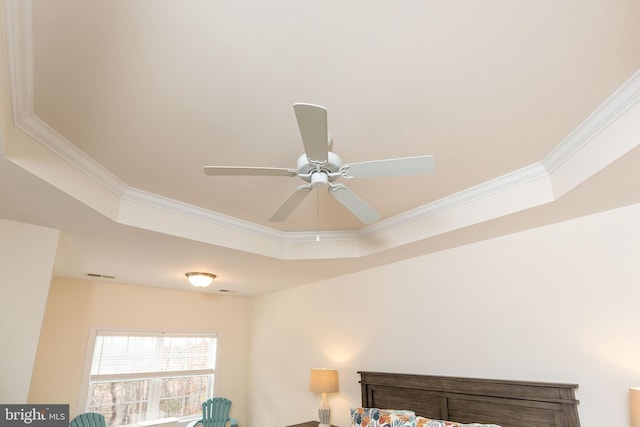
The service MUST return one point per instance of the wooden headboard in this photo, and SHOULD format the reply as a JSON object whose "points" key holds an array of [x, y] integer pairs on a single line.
{"points": [[506, 403]]}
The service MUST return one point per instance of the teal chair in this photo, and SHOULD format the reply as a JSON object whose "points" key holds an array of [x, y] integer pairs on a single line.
{"points": [[88, 419], [215, 413]]}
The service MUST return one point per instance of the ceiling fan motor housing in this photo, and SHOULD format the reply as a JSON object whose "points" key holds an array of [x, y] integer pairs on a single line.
{"points": [[329, 170]]}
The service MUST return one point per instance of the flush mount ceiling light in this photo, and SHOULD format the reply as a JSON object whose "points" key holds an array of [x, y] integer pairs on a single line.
{"points": [[200, 280]]}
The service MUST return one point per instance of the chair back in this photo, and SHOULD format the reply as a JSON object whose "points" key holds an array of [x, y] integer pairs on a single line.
{"points": [[88, 419], [215, 412]]}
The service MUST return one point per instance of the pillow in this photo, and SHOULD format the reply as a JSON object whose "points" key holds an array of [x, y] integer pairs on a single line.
{"points": [[374, 417], [428, 422]]}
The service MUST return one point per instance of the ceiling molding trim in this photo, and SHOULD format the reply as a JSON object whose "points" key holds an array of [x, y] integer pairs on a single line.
{"points": [[59, 145], [487, 189], [18, 30], [613, 108], [312, 236], [482, 191], [148, 211], [205, 215], [617, 104], [19, 33]]}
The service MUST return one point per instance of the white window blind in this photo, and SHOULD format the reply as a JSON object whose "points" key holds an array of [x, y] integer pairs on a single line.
{"points": [[141, 376]]}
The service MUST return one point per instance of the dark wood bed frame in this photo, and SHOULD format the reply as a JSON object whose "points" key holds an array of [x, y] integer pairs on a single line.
{"points": [[467, 400]]}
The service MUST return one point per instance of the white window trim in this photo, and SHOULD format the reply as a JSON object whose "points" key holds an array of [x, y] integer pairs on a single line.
{"points": [[154, 374], [91, 343]]}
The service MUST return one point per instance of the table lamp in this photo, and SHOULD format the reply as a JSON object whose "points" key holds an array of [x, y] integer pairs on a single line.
{"points": [[324, 381]]}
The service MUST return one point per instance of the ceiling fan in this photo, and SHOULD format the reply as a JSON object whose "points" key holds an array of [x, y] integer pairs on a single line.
{"points": [[319, 166]]}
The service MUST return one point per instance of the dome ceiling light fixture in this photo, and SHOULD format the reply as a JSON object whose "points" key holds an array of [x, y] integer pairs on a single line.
{"points": [[200, 280]]}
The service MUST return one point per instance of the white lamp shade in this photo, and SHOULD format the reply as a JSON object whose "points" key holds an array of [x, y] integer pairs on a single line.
{"points": [[323, 380], [634, 406]]}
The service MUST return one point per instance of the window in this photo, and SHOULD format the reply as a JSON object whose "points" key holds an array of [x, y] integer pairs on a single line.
{"points": [[139, 376]]}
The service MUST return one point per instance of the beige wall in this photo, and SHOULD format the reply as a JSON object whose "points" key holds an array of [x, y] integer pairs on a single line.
{"points": [[27, 253], [76, 306], [558, 303]]}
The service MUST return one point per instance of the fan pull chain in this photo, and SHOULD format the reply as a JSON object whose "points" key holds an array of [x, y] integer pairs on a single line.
{"points": [[317, 215]]}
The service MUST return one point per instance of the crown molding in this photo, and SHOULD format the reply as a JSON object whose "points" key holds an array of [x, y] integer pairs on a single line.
{"points": [[481, 191], [616, 105], [56, 143], [205, 215], [19, 45]]}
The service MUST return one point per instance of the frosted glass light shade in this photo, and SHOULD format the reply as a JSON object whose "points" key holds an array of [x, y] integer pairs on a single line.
{"points": [[200, 280], [323, 380]]}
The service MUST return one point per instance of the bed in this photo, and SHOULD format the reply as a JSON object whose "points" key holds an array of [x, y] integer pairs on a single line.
{"points": [[467, 400]]}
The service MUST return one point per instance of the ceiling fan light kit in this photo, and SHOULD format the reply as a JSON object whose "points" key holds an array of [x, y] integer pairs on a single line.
{"points": [[319, 166]]}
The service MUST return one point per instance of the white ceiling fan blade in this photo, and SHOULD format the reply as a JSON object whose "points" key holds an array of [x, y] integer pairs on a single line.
{"points": [[404, 166], [247, 171], [312, 122], [354, 203], [291, 203]]}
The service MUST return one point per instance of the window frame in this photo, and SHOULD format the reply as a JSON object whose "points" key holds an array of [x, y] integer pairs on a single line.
{"points": [[90, 348]]}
